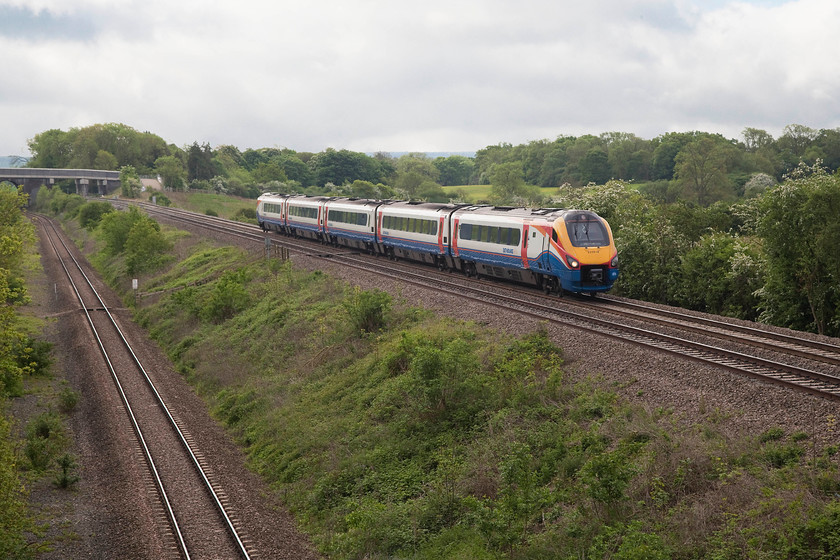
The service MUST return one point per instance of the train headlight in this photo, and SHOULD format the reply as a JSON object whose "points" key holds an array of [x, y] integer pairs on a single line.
{"points": [[614, 261], [572, 262]]}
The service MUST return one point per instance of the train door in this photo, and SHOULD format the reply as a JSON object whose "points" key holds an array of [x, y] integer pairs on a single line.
{"points": [[537, 248]]}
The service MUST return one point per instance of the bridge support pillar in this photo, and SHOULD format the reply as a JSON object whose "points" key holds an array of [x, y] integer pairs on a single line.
{"points": [[82, 187]]}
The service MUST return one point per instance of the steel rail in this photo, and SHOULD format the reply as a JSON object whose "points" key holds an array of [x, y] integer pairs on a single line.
{"points": [[208, 485]]}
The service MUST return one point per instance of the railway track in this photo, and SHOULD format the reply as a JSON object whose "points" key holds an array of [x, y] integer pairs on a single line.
{"points": [[198, 524], [789, 360]]}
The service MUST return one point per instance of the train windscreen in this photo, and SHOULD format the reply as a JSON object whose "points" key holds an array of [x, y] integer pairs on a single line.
{"points": [[586, 230]]}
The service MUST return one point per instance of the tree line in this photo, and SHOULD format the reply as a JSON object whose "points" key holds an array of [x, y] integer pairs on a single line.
{"points": [[698, 166]]}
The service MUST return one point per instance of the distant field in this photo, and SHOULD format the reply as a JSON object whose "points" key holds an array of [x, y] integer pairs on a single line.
{"points": [[478, 193], [225, 206], [470, 193]]}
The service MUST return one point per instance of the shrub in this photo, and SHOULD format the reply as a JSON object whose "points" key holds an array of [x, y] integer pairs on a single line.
{"points": [[33, 356], [368, 310], [245, 215], [778, 456], [13, 516], [820, 537], [66, 476], [115, 227], [67, 400], [145, 246], [44, 437], [162, 199], [228, 297], [91, 213], [773, 434]]}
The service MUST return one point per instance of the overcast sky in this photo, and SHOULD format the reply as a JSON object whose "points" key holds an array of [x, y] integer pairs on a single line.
{"points": [[431, 75]]}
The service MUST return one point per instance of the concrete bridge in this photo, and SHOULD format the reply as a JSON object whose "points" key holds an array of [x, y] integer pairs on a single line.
{"points": [[87, 181]]}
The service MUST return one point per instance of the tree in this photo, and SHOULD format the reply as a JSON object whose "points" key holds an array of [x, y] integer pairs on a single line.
{"points": [[105, 160], [145, 246], [343, 166], [267, 172], [419, 164], [200, 165], [171, 170], [115, 227], [700, 167], [796, 138], [758, 183], [130, 182], [454, 170], [720, 274], [14, 228], [756, 139], [295, 168], [594, 166], [91, 214], [507, 181], [665, 153], [801, 233], [51, 148]]}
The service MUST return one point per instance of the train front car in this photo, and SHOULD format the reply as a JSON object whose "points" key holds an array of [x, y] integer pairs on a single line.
{"points": [[583, 244]]}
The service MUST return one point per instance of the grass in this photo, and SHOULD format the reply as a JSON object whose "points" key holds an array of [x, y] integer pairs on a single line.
{"points": [[482, 193], [391, 432], [225, 206]]}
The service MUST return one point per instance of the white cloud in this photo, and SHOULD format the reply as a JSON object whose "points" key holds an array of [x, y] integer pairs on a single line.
{"points": [[385, 75]]}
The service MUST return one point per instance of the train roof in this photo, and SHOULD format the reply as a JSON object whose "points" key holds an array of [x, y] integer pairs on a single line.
{"points": [[433, 206], [518, 211]]}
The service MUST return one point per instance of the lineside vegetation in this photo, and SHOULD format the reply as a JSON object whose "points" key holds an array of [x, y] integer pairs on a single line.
{"points": [[393, 433]]}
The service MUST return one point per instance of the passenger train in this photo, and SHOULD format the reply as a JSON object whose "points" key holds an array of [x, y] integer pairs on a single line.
{"points": [[554, 249]]}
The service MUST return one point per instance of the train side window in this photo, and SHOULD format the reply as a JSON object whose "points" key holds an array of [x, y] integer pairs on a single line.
{"points": [[465, 231]]}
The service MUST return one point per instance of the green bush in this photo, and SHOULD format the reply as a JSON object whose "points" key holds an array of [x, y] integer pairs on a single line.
{"points": [[772, 434], [45, 436], [819, 538], [368, 310], [13, 514], [91, 213], [115, 228], [67, 400], [245, 215], [145, 246], [162, 199], [778, 456], [67, 471], [33, 356], [228, 297]]}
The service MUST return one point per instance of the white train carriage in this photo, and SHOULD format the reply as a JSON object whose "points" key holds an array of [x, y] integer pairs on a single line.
{"points": [[305, 216], [418, 231], [271, 212], [351, 222], [495, 241]]}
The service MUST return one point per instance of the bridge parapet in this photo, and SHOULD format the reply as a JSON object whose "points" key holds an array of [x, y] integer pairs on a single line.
{"points": [[32, 178]]}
